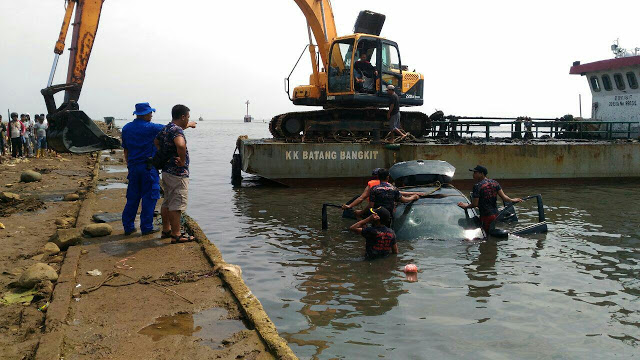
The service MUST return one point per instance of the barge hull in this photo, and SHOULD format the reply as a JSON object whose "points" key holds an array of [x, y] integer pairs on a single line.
{"points": [[299, 164]]}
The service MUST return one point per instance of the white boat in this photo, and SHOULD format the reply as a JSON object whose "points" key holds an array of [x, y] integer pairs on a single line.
{"points": [[614, 89]]}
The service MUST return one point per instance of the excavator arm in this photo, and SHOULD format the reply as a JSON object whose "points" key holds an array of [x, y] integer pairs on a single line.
{"points": [[319, 15], [70, 129]]}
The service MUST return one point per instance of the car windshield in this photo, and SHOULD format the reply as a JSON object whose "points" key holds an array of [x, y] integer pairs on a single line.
{"points": [[433, 218]]}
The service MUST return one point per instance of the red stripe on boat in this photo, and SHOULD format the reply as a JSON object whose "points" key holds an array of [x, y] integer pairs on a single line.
{"points": [[604, 65]]}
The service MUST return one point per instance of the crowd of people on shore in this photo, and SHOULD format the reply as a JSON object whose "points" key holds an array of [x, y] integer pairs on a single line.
{"points": [[21, 136]]}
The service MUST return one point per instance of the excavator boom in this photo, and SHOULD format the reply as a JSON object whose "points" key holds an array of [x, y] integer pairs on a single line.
{"points": [[319, 15], [70, 129], [84, 33]]}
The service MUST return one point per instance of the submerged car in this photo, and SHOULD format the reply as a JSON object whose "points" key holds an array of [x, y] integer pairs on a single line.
{"points": [[437, 215]]}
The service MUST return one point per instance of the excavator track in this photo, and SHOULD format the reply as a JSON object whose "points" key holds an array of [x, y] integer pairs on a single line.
{"points": [[343, 125]]}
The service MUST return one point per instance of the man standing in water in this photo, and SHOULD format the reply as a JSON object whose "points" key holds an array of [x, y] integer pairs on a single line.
{"points": [[386, 195], [485, 193], [366, 194], [172, 145], [380, 239]]}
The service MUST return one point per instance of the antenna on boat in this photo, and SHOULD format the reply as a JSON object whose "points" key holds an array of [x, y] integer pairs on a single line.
{"points": [[620, 52]]}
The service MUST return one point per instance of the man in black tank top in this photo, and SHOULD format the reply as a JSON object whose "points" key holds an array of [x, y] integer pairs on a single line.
{"points": [[386, 195]]}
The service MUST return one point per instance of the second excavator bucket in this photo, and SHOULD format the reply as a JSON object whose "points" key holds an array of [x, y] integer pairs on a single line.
{"points": [[72, 131]]}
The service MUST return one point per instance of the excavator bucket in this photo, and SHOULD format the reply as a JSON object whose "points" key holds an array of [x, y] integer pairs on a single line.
{"points": [[72, 131]]}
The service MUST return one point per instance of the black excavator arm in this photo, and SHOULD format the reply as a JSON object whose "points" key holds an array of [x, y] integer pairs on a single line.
{"points": [[70, 129]]}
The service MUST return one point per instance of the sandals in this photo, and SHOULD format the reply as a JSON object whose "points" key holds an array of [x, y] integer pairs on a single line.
{"points": [[166, 234], [182, 238]]}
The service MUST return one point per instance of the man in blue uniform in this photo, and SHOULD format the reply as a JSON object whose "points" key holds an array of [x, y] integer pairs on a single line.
{"points": [[144, 181]]}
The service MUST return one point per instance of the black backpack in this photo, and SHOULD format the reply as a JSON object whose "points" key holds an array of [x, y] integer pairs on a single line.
{"points": [[161, 157]]}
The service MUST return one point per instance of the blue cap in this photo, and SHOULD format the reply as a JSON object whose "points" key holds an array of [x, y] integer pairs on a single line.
{"points": [[143, 109]]}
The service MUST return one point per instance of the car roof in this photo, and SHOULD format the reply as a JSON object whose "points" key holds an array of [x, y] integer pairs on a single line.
{"points": [[422, 167]]}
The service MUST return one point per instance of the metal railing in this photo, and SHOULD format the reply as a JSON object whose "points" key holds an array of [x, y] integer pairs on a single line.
{"points": [[542, 128]]}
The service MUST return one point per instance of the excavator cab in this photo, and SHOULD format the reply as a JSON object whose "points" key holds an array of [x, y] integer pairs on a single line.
{"points": [[360, 69]]}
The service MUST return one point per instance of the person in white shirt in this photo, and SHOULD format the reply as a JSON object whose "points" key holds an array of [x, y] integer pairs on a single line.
{"points": [[40, 129]]}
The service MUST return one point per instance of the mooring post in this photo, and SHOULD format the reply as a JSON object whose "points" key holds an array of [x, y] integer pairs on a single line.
{"points": [[236, 170]]}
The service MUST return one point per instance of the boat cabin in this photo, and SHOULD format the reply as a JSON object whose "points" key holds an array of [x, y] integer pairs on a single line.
{"points": [[614, 86]]}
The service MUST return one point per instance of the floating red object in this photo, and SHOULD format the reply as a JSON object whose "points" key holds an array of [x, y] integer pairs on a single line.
{"points": [[411, 268]]}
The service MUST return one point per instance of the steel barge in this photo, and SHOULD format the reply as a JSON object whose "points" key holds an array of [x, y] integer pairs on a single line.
{"points": [[602, 146]]}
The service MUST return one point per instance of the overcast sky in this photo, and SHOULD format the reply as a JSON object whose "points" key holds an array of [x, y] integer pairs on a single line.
{"points": [[500, 58]]}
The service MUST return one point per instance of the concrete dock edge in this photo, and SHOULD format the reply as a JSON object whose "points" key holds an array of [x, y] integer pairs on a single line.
{"points": [[251, 306]]}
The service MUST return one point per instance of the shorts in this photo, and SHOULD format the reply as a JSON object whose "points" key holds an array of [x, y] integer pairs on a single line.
{"points": [[42, 143], [394, 122], [176, 190], [487, 220]]}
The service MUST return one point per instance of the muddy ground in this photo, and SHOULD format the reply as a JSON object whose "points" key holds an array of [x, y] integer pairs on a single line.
{"points": [[28, 225], [151, 300]]}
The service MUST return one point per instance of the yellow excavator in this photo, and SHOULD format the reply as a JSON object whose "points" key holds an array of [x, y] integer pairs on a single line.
{"points": [[351, 85], [349, 80]]}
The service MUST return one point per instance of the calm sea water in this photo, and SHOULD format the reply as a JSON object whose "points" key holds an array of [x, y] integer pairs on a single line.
{"points": [[570, 294]]}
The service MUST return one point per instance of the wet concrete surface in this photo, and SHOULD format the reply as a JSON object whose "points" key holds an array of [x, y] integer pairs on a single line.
{"points": [[211, 326], [114, 185], [114, 169], [130, 312]]}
